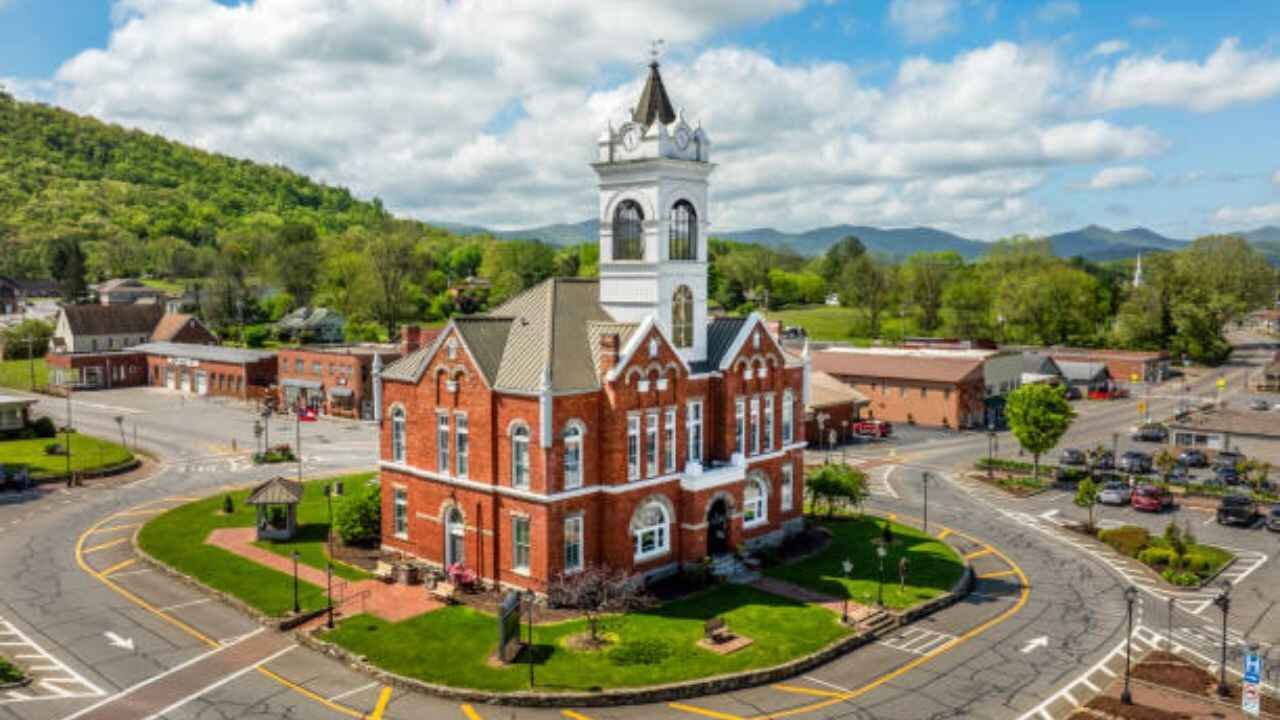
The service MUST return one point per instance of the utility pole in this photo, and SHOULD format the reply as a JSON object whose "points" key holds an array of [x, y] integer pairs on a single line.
{"points": [[68, 436], [298, 423]]}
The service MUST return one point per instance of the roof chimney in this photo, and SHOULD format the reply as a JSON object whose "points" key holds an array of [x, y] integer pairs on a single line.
{"points": [[410, 338], [610, 348]]}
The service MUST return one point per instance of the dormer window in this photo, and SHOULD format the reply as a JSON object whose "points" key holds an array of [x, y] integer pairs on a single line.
{"points": [[628, 231]]}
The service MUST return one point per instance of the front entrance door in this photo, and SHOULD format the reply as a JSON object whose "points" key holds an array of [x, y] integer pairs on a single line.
{"points": [[718, 528]]}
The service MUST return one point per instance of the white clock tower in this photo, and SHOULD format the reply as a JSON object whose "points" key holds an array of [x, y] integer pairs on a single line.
{"points": [[653, 171]]}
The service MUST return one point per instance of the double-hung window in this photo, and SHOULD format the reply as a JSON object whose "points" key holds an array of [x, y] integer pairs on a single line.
{"points": [[669, 440], [740, 426], [397, 434], [520, 543], [755, 425], [462, 444], [401, 507], [442, 443], [573, 543], [788, 418], [651, 444], [520, 457], [768, 422], [633, 447], [693, 419], [788, 486], [573, 456]]}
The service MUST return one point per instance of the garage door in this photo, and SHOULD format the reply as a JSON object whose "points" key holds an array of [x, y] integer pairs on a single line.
{"points": [[202, 383]]}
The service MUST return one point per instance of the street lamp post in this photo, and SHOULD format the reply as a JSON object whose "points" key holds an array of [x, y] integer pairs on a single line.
{"points": [[991, 453], [847, 566], [328, 496], [528, 594], [881, 551], [296, 607], [926, 501], [266, 429], [1223, 601], [1115, 446], [1130, 597], [70, 479]]}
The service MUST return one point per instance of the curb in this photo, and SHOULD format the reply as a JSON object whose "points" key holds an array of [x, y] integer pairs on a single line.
{"points": [[128, 466]]}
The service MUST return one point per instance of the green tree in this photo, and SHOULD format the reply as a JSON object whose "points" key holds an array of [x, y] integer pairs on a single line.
{"points": [[1039, 415], [390, 256], [358, 519], [67, 265], [296, 260], [924, 277], [1164, 462], [869, 283], [966, 305], [846, 250], [836, 487], [29, 336], [1087, 497]]}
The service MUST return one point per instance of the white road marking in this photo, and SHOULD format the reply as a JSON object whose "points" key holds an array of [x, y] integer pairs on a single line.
{"points": [[1035, 643], [833, 686], [882, 486], [218, 684], [353, 691], [917, 640], [181, 605], [52, 685]]}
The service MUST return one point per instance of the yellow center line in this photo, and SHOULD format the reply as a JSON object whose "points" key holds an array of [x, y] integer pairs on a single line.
{"points": [[893, 517], [133, 513], [1002, 573], [308, 694], [979, 553], [383, 698], [702, 711], [574, 715], [105, 545], [945, 532], [118, 566], [470, 712], [109, 528], [807, 691]]}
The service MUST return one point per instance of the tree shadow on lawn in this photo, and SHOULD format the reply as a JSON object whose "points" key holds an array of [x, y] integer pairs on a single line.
{"points": [[716, 601]]}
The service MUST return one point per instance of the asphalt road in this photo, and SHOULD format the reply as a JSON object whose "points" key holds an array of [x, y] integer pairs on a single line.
{"points": [[115, 639]]}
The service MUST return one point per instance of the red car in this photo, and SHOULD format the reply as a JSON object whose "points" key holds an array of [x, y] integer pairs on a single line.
{"points": [[873, 428], [1112, 394], [1150, 498]]}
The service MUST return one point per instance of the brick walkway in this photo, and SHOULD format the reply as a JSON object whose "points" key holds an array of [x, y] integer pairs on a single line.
{"points": [[791, 591], [391, 602]]}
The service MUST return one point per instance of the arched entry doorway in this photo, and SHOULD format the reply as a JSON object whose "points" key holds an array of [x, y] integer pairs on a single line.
{"points": [[718, 527], [455, 538]]}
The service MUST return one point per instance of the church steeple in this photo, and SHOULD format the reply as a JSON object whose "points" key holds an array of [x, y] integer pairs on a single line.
{"points": [[654, 103]]}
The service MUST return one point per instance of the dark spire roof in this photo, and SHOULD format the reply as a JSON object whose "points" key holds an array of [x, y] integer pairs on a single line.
{"points": [[654, 104]]}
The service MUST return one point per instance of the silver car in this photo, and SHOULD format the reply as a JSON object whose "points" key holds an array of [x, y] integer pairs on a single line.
{"points": [[1114, 493]]}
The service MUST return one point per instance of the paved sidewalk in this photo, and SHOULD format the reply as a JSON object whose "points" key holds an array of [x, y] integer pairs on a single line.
{"points": [[391, 602]]}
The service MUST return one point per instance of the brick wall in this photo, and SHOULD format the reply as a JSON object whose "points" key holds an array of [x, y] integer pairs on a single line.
{"points": [[921, 403]]}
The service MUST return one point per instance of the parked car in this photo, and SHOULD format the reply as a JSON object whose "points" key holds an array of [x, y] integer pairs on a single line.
{"points": [[1114, 493], [1259, 404], [1112, 394], [1228, 458], [1181, 475], [1104, 461], [1236, 510], [1073, 457], [1193, 458], [873, 428], [1151, 433], [1273, 519], [1134, 462], [1150, 498], [1226, 475]]}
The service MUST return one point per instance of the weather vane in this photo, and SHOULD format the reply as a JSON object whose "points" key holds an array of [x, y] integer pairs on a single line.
{"points": [[655, 50]]}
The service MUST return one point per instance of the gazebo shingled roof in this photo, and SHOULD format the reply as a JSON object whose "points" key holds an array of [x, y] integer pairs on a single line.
{"points": [[276, 491]]}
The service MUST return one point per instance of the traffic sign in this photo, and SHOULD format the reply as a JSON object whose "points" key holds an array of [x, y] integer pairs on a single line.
{"points": [[1222, 383], [1250, 696], [1253, 668], [1133, 377], [1251, 700], [1142, 407]]}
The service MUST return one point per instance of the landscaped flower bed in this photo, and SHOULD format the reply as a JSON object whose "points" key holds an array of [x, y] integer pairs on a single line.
{"points": [[275, 454], [10, 673], [1176, 555]]}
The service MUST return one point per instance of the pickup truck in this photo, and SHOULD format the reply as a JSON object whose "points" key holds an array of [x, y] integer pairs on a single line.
{"points": [[873, 428]]}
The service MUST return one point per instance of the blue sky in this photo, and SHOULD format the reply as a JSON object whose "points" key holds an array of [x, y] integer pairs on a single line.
{"points": [[985, 117]]}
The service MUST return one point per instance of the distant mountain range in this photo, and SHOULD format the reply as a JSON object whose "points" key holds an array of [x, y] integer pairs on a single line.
{"points": [[1093, 241]]}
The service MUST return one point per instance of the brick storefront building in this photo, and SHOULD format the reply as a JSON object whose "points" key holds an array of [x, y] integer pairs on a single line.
{"points": [[910, 386], [97, 346], [336, 380], [604, 422], [210, 369]]}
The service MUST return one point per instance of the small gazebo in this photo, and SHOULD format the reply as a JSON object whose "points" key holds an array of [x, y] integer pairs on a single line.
{"points": [[277, 503]]}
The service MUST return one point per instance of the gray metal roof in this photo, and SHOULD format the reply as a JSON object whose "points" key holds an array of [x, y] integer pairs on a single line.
{"points": [[16, 400], [210, 353], [1082, 371], [721, 332]]}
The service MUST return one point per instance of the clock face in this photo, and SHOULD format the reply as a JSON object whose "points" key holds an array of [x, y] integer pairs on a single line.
{"points": [[631, 137], [682, 138]]}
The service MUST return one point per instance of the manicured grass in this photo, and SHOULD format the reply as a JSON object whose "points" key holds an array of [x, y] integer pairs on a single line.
{"points": [[177, 538], [9, 673], [17, 374], [824, 322], [933, 567], [87, 453], [667, 637]]}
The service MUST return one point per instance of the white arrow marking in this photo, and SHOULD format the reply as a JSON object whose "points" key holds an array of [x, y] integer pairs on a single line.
{"points": [[1049, 514], [117, 641], [1042, 641]]}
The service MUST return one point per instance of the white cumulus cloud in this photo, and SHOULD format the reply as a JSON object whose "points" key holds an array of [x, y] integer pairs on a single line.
{"points": [[1230, 75], [1248, 216], [1056, 10], [1109, 47], [1118, 177], [919, 21]]}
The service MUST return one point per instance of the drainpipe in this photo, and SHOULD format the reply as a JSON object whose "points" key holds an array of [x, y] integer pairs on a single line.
{"points": [[376, 375]]}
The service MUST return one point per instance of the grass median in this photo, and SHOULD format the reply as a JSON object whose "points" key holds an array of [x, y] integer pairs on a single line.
{"points": [[177, 538], [87, 455]]}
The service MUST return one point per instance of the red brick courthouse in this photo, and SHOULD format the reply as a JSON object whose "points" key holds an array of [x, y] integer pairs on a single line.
{"points": [[605, 422]]}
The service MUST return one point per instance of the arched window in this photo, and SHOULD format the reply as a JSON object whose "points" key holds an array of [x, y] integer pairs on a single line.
{"points": [[628, 231], [397, 434], [649, 527], [573, 456], [520, 456], [455, 545], [755, 502], [683, 233], [682, 317]]}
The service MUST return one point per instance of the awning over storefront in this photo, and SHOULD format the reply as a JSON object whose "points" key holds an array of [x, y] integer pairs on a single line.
{"points": [[340, 392], [305, 384]]}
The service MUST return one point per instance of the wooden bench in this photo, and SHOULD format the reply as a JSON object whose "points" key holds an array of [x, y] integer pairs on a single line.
{"points": [[717, 631]]}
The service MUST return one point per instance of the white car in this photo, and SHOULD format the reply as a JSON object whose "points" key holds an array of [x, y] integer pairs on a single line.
{"points": [[1114, 493]]}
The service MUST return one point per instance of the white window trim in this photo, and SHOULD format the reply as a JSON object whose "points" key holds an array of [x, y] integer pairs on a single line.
{"points": [[515, 544], [763, 516], [634, 461], [399, 499], [528, 481], [443, 430], [788, 491], [576, 518], [652, 432], [461, 428], [755, 425], [669, 434], [581, 430], [659, 549], [399, 434], [694, 429], [788, 417], [740, 425], [768, 422]]}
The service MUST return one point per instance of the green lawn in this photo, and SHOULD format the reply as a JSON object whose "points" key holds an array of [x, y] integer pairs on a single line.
{"points": [[824, 322], [933, 567], [87, 453], [655, 646], [17, 374], [177, 538]]}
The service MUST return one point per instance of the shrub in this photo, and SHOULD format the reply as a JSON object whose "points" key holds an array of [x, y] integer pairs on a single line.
{"points": [[640, 652], [43, 427], [54, 448], [1127, 540], [1197, 563], [1157, 557], [359, 517], [255, 336], [1181, 579], [228, 507]]}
